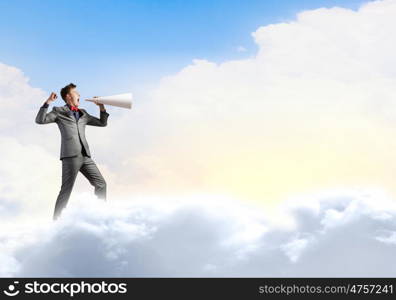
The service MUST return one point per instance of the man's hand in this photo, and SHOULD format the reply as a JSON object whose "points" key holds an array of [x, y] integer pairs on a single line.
{"points": [[101, 106], [51, 98]]}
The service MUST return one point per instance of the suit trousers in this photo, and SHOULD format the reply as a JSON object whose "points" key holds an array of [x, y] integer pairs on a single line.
{"points": [[70, 168]]}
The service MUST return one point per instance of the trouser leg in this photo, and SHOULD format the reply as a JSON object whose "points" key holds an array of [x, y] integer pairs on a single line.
{"points": [[70, 168], [92, 173]]}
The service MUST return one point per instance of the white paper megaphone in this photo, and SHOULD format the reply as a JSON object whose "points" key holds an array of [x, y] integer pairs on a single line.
{"points": [[120, 100]]}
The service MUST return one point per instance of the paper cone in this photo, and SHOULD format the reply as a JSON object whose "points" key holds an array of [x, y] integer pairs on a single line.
{"points": [[120, 100]]}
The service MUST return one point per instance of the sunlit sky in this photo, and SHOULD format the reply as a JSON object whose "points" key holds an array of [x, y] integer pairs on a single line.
{"points": [[259, 100]]}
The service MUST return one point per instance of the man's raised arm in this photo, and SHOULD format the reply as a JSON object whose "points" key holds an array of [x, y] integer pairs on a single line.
{"points": [[42, 116], [102, 121]]}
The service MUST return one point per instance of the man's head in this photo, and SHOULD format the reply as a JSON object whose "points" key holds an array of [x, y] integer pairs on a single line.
{"points": [[70, 94]]}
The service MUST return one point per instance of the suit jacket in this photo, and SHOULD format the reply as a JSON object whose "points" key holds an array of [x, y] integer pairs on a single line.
{"points": [[72, 130]]}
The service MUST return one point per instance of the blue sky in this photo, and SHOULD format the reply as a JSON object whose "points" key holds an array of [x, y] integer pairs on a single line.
{"points": [[118, 46]]}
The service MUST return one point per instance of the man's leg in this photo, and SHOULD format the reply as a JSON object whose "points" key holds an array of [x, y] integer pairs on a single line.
{"points": [[70, 167], [92, 173]]}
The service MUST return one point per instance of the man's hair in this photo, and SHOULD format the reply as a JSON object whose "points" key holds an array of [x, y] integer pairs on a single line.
{"points": [[66, 90]]}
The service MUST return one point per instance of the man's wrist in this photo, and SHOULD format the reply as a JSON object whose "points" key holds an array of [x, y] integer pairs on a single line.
{"points": [[45, 105]]}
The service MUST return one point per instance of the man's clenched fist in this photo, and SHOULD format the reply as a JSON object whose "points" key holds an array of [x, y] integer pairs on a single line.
{"points": [[51, 98]]}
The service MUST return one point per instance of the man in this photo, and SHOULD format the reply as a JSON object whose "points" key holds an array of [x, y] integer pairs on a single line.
{"points": [[74, 152]]}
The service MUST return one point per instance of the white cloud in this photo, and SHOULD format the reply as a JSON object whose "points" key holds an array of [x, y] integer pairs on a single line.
{"points": [[207, 237], [316, 100]]}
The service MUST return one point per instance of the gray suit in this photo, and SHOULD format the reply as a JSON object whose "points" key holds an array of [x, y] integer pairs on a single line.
{"points": [[74, 153]]}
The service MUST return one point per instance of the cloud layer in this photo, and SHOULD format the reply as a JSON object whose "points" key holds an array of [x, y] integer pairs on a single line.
{"points": [[336, 234]]}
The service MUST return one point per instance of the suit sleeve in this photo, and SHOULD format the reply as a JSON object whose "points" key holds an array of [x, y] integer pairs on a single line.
{"points": [[101, 122], [43, 117]]}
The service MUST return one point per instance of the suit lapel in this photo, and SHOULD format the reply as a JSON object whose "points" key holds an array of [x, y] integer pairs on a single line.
{"points": [[68, 112]]}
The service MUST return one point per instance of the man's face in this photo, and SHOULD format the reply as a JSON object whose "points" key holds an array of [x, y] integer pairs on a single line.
{"points": [[73, 97]]}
